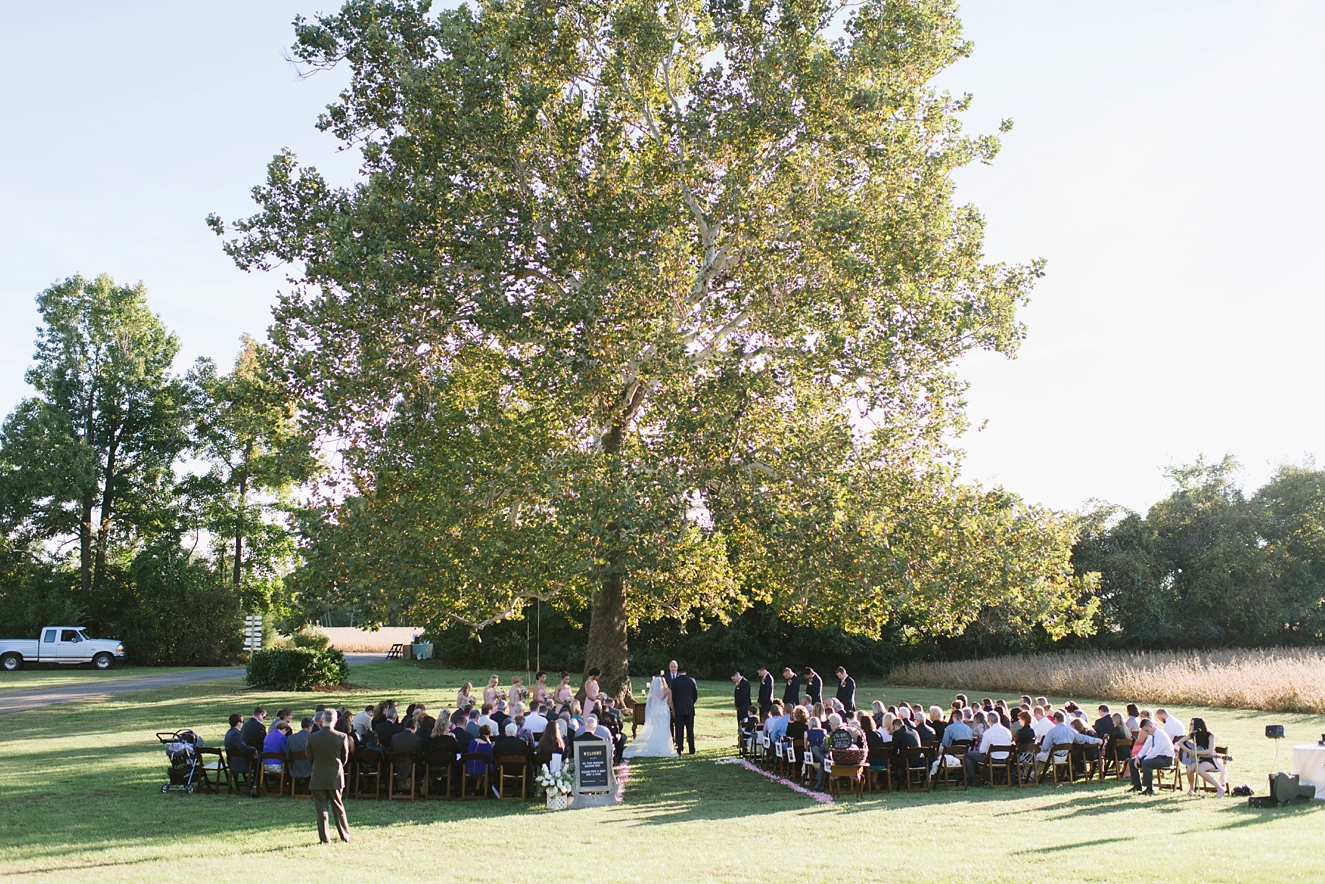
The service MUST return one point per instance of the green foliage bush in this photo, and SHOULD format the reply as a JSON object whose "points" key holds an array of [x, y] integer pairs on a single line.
{"points": [[297, 669], [314, 639]]}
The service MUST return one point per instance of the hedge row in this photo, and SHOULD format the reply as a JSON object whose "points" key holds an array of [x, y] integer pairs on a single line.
{"points": [[297, 669]]}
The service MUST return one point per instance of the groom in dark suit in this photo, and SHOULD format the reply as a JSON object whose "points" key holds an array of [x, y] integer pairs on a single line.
{"points": [[684, 694]]}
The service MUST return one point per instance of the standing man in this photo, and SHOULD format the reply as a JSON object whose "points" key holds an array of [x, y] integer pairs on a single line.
{"points": [[846, 690], [814, 685], [765, 692], [791, 694], [742, 696], [684, 694], [670, 675], [327, 751]]}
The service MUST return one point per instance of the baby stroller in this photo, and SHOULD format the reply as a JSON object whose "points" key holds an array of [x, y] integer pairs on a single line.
{"points": [[182, 750]]}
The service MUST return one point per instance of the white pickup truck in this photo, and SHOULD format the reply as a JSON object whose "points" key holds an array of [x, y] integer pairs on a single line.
{"points": [[60, 644]]}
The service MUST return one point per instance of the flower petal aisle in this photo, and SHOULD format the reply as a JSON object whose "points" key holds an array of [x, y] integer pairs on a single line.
{"points": [[782, 781]]}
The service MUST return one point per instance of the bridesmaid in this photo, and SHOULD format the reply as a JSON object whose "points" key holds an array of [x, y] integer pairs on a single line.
{"points": [[540, 689], [563, 693], [492, 693], [464, 698], [591, 692]]}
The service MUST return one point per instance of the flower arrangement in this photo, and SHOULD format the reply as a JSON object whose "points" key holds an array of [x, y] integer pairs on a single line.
{"points": [[557, 784]]}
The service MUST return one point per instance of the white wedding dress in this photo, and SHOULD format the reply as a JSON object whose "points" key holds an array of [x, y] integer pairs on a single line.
{"points": [[655, 739]]}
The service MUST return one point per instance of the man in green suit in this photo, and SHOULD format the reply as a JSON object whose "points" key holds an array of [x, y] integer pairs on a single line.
{"points": [[327, 753]]}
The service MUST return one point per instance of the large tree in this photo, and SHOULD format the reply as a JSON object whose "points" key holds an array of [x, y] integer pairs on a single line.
{"points": [[649, 307], [90, 456]]}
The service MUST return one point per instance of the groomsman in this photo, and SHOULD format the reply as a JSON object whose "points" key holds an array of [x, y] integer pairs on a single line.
{"points": [[791, 694], [814, 685], [846, 689], [765, 692], [742, 695]]}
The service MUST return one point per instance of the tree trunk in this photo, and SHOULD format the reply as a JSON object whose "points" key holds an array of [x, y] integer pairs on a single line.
{"points": [[107, 511], [85, 547], [608, 643], [239, 522]]}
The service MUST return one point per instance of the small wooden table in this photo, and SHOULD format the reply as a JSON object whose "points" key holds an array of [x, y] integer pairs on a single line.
{"points": [[636, 719]]}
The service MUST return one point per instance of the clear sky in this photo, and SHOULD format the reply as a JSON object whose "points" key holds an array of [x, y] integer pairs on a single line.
{"points": [[1164, 160]]}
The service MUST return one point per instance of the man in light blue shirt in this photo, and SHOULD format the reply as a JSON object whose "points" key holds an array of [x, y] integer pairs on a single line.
{"points": [[957, 730]]}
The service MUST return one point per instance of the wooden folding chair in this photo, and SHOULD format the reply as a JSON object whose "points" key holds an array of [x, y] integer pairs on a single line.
{"points": [[795, 756], [291, 759], [1115, 758], [952, 766], [396, 762], [809, 769], [265, 776], [368, 769], [879, 767], [1028, 769], [239, 781], [1007, 764], [1060, 760], [438, 774], [478, 781], [916, 767], [214, 773], [512, 769], [1169, 777], [1221, 752]]}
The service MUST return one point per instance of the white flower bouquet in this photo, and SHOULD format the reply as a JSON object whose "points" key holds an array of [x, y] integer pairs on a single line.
{"points": [[557, 784]]}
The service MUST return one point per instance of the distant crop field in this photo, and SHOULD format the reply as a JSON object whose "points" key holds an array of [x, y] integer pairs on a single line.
{"points": [[1276, 680]]}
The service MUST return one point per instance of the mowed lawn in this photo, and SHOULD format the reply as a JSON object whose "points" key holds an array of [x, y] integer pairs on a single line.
{"points": [[80, 800]]}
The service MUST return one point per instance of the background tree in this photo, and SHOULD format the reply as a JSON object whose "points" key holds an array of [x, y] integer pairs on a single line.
{"points": [[244, 429], [650, 309], [90, 456]]}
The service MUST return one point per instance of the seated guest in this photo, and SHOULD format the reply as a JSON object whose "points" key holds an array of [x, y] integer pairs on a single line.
{"points": [[798, 724], [936, 723], [776, 725], [885, 729], [1062, 733], [873, 739], [1104, 724], [749, 724], [1200, 759], [485, 717], [996, 734], [1156, 753], [408, 742], [472, 723], [255, 732], [275, 742], [877, 712], [500, 717], [424, 721], [1025, 733], [535, 721], [362, 721], [552, 748], [978, 723], [512, 745], [1041, 722], [1172, 725], [286, 716], [442, 741], [922, 728], [297, 744], [957, 729], [239, 754], [961, 699], [387, 729], [1133, 721], [480, 745]]}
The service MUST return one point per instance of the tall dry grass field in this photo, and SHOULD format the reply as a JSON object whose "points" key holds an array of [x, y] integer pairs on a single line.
{"points": [[1271, 680]]}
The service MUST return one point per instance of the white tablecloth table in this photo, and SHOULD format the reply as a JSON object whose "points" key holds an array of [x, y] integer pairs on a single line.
{"points": [[1309, 765]]}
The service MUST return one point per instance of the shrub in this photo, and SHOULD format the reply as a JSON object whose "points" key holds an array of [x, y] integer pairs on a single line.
{"points": [[297, 669], [315, 639]]}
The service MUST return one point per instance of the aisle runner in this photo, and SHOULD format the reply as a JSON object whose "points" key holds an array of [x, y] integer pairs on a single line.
{"points": [[782, 781], [622, 774]]}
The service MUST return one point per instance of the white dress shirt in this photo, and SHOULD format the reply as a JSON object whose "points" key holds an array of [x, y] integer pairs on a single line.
{"points": [[996, 735], [1173, 727], [1158, 744], [1042, 726], [361, 723]]}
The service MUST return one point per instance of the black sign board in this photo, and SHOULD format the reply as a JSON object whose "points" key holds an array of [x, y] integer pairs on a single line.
{"points": [[593, 767]]}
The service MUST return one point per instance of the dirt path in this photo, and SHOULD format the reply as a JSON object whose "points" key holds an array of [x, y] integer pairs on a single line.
{"points": [[50, 696]]}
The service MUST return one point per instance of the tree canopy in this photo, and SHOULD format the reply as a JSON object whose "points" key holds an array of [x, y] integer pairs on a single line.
{"points": [[649, 308]]}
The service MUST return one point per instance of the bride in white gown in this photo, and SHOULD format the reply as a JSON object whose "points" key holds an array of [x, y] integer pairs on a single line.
{"points": [[655, 738]]}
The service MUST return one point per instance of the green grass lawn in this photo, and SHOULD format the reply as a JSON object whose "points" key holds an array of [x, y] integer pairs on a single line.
{"points": [[31, 678], [80, 800]]}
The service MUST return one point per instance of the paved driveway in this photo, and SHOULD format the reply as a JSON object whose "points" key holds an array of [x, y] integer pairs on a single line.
{"points": [[51, 696]]}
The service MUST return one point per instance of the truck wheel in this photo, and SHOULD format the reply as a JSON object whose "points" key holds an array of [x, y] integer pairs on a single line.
{"points": [[11, 662], [103, 661]]}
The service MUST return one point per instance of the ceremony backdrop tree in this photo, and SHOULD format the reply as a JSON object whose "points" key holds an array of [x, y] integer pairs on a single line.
{"points": [[649, 308]]}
